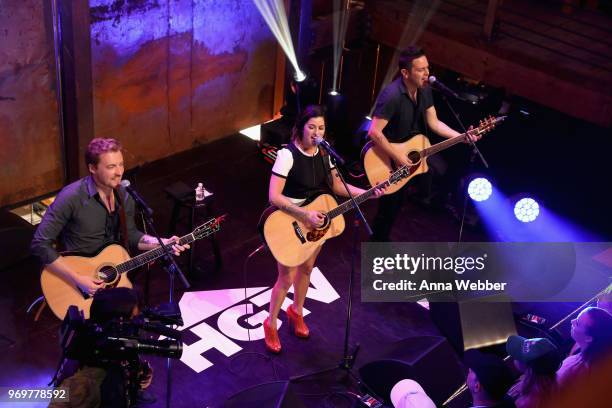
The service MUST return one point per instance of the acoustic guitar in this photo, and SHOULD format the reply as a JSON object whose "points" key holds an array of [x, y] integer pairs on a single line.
{"points": [[109, 265], [378, 164], [291, 243]]}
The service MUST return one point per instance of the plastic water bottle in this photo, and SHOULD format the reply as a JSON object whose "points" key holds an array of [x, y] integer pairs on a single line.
{"points": [[199, 194]]}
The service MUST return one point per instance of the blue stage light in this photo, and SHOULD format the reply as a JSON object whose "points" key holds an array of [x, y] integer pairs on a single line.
{"points": [[480, 189], [526, 209]]}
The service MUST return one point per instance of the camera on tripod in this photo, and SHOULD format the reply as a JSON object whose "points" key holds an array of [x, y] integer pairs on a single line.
{"points": [[101, 356], [119, 338]]}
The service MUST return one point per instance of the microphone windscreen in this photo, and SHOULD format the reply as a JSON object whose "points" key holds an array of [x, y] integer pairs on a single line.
{"points": [[125, 183]]}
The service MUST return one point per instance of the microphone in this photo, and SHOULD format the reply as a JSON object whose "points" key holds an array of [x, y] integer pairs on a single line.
{"points": [[433, 81], [325, 145], [137, 198]]}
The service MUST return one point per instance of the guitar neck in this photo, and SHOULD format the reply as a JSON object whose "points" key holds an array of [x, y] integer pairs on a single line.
{"points": [[485, 126], [153, 254], [348, 205], [438, 147]]}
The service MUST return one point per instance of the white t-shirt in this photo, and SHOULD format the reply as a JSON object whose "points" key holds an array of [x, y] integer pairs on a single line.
{"points": [[284, 163]]}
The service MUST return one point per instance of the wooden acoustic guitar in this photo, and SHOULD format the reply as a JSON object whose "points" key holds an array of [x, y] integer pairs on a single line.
{"points": [[378, 164], [109, 265], [291, 243]]}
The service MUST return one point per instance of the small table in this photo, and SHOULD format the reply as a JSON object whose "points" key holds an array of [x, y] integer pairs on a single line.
{"points": [[183, 196]]}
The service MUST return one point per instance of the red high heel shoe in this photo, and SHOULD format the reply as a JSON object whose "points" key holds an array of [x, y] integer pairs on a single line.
{"points": [[297, 321], [272, 341]]}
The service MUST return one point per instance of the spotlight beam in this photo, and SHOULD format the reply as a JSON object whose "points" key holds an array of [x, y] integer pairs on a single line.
{"points": [[340, 21], [273, 13], [422, 11]]}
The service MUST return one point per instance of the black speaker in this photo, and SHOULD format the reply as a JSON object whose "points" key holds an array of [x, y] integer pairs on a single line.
{"points": [[15, 237], [277, 394], [429, 360], [474, 323]]}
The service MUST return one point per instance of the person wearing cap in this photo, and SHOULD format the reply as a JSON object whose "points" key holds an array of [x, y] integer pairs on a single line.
{"points": [[409, 394], [488, 380], [538, 361]]}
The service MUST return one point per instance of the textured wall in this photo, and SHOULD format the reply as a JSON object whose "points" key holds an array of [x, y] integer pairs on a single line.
{"points": [[169, 74], [29, 135]]}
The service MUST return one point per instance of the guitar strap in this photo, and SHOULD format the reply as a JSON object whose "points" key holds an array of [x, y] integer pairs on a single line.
{"points": [[123, 222], [330, 181]]}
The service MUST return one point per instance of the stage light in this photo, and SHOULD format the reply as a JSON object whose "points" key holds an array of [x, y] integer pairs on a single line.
{"points": [[333, 92], [299, 76], [526, 209], [480, 189], [368, 117]]}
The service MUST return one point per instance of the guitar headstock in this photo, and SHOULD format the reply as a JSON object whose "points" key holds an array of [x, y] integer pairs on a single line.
{"points": [[209, 227], [488, 124]]}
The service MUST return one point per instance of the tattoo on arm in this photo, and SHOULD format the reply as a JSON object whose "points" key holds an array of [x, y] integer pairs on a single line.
{"points": [[292, 209]]}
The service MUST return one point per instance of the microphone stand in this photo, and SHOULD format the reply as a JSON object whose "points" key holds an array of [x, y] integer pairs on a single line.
{"points": [[475, 149], [173, 269], [475, 152], [348, 358]]}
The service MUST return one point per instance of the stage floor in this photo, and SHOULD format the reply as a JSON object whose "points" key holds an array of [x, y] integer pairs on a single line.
{"points": [[219, 360]]}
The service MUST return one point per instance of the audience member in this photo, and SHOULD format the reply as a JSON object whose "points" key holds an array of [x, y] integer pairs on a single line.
{"points": [[410, 394], [592, 331], [488, 380], [538, 361]]}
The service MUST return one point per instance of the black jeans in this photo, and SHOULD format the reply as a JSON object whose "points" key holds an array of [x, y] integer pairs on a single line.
{"points": [[390, 205]]}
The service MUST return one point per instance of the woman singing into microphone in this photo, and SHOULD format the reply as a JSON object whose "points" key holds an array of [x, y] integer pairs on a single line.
{"points": [[300, 172]]}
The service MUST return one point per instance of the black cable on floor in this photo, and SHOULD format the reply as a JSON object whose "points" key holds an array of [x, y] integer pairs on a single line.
{"points": [[258, 354], [246, 311]]}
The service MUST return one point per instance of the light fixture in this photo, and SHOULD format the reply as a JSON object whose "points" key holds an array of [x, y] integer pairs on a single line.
{"points": [[480, 189]]}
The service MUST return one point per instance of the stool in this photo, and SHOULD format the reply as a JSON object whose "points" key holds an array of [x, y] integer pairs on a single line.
{"points": [[183, 196]]}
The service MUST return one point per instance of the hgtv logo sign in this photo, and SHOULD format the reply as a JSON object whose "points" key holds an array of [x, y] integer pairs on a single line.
{"points": [[233, 312]]}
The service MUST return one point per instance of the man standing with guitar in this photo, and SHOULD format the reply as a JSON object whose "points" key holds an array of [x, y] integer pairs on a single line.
{"points": [[91, 213], [403, 109]]}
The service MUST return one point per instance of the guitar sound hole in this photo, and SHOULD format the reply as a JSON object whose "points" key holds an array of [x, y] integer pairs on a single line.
{"points": [[414, 156], [325, 224], [108, 274]]}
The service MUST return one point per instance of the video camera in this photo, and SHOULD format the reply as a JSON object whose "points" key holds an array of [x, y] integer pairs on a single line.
{"points": [[119, 339]]}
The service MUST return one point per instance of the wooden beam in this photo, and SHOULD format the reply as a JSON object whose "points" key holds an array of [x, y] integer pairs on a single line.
{"points": [[77, 88], [490, 18], [518, 73]]}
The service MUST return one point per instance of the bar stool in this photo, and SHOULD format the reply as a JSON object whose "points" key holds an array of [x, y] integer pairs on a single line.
{"points": [[183, 196]]}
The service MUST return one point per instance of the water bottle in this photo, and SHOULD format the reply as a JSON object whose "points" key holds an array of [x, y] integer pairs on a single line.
{"points": [[199, 194]]}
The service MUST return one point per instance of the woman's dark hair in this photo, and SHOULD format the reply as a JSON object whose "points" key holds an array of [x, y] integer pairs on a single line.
{"points": [[540, 375], [600, 330], [309, 112]]}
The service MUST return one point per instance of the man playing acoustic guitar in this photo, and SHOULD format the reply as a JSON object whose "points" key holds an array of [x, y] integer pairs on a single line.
{"points": [[403, 109], [91, 213]]}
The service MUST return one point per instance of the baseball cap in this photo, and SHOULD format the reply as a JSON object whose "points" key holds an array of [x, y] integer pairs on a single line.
{"points": [[538, 353], [408, 394], [492, 373]]}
